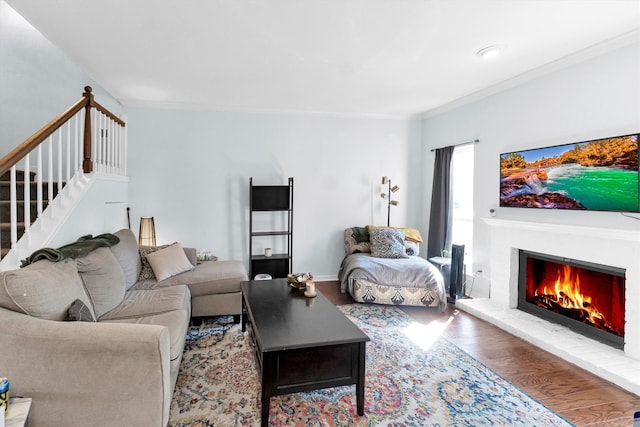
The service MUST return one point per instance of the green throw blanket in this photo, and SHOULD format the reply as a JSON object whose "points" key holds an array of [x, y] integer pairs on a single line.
{"points": [[82, 247], [361, 234]]}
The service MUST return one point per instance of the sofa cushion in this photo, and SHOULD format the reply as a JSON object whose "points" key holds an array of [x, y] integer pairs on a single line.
{"points": [[170, 307], [149, 302], [126, 252], [169, 261], [177, 321], [207, 278], [103, 278], [43, 289]]}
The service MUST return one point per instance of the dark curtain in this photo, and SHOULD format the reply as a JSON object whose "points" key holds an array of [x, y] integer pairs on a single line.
{"points": [[440, 217]]}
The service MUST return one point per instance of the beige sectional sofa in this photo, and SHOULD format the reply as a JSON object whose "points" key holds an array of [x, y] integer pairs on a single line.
{"points": [[119, 366]]}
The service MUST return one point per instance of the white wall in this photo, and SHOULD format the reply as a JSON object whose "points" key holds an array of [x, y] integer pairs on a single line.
{"points": [[37, 81], [597, 98], [103, 209], [190, 170]]}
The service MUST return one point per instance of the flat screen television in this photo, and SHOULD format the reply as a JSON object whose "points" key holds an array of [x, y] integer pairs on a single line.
{"points": [[601, 175]]}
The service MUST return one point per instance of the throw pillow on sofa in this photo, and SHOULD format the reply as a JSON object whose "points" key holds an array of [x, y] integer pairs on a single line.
{"points": [[80, 312], [43, 289], [103, 278], [169, 261], [146, 272]]}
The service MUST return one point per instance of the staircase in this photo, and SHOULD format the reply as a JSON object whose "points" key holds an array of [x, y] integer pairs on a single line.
{"points": [[60, 162], [5, 204]]}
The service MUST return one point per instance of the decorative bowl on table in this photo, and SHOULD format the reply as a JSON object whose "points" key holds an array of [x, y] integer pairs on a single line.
{"points": [[299, 280]]}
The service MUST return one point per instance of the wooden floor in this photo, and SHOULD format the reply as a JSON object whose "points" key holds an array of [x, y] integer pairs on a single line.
{"points": [[577, 395]]}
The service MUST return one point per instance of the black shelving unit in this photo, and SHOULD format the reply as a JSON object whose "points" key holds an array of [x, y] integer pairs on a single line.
{"points": [[271, 199]]}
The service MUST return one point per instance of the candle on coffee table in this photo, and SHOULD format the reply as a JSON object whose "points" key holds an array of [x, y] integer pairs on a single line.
{"points": [[310, 289]]}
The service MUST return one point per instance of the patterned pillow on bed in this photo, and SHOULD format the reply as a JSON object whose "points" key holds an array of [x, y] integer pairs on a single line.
{"points": [[353, 241], [387, 243]]}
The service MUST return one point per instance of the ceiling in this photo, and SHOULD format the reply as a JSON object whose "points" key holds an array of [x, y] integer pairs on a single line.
{"points": [[361, 57]]}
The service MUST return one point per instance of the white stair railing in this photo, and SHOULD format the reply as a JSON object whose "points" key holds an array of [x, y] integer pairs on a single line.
{"points": [[109, 145], [64, 150]]}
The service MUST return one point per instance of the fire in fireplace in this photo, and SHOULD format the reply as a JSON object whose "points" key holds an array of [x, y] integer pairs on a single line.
{"points": [[586, 297]]}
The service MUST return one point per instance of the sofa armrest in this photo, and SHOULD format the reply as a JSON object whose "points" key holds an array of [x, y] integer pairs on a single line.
{"points": [[85, 373], [192, 255]]}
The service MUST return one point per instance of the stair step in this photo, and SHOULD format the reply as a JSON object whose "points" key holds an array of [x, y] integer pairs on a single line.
{"points": [[19, 175], [5, 232], [5, 190], [5, 209], [5, 204], [6, 225]]}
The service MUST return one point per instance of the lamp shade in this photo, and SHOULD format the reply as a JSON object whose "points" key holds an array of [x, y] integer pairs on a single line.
{"points": [[147, 235]]}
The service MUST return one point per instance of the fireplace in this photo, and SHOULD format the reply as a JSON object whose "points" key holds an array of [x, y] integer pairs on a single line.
{"points": [[586, 297], [597, 245]]}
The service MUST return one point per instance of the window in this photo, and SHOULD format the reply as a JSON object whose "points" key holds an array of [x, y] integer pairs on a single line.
{"points": [[462, 199]]}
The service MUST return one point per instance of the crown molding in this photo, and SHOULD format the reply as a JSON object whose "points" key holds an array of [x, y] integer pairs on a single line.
{"points": [[599, 49]]}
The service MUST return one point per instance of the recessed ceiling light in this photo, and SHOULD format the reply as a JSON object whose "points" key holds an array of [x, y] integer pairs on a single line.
{"points": [[490, 52]]}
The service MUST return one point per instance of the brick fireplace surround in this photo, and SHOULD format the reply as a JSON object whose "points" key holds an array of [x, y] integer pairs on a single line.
{"points": [[614, 247]]}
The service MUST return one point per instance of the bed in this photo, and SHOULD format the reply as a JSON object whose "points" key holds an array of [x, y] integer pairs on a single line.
{"points": [[382, 266]]}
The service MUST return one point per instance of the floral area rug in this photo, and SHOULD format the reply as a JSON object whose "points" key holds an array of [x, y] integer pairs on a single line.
{"points": [[413, 378]]}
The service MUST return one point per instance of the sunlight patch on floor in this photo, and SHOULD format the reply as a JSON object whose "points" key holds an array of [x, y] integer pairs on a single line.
{"points": [[425, 335]]}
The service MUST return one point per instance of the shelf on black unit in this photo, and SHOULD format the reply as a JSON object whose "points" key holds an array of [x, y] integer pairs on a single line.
{"points": [[270, 233], [274, 266], [271, 198], [274, 256]]}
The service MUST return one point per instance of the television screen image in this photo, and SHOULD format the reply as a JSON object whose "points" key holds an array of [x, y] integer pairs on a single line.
{"points": [[600, 174]]}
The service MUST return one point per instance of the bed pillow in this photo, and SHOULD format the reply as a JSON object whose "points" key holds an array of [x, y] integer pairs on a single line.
{"points": [[353, 241], [387, 243], [412, 234], [360, 234], [412, 248]]}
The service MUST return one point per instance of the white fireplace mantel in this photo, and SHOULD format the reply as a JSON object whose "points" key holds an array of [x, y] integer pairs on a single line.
{"points": [[607, 246], [569, 229]]}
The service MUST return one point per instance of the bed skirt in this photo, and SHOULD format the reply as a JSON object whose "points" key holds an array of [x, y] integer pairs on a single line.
{"points": [[368, 292]]}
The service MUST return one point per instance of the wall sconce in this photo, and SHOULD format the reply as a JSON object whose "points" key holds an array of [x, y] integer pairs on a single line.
{"points": [[147, 235], [387, 195]]}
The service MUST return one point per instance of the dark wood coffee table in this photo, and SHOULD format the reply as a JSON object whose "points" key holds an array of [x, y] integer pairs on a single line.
{"points": [[301, 343]]}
